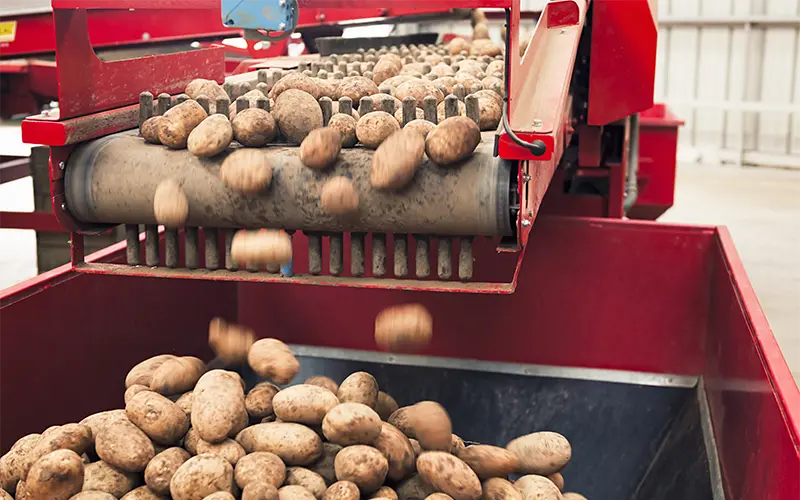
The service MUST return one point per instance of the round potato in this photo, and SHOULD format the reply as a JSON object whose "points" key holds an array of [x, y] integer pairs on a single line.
{"points": [[351, 423], [359, 387], [304, 404], [55, 476], [230, 342], [470, 82], [396, 161], [322, 381], [432, 427], [398, 451], [496, 67], [272, 359], [325, 465], [159, 471], [557, 479], [346, 126], [229, 449], [401, 418], [414, 488], [201, 476], [363, 465], [339, 196], [470, 66], [395, 81], [260, 491], [489, 461], [142, 373], [449, 475], [297, 113], [218, 405], [263, 247], [170, 205], [149, 130], [374, 128], [247, 171], [254, 128], [385, 492], [90, 495], [161, 419], [11, 463], [458, 45], [533, 487], [443, 69], [296, 81], [422, 127], [385, 406], [491, 110], [260, 467], [74, 437], [342, 490], [310, 480], [295, 444], [99, 476], [295, 492], [211, 137], [208, 88], [541, 453], [498, 488], [453, 140], [124, 446], [178, 122], [144, 493], [220, 495], [494, 84], [259, 401], [321, 148], [356, 87], [419, 90], [405, 328]]}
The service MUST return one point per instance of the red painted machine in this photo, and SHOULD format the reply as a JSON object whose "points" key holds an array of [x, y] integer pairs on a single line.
{"points": [[642, 342]]}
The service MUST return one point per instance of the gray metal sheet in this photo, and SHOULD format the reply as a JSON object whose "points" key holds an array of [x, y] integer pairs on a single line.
{"points": [[9, 8]]}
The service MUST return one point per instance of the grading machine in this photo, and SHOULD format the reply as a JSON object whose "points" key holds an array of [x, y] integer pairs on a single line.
{"points": [[553, 308]]}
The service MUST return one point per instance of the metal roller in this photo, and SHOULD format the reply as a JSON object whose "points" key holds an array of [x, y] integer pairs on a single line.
{"points": [[113, 180]]}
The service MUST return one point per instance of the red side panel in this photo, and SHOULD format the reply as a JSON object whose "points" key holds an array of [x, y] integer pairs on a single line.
{"points": [[623, 60]]}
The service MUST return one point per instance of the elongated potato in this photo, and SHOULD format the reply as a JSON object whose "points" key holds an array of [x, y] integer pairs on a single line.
{"points": [[211, 137], [254, 128], [261, 248], [201, 476], [498, 488], [230, 342], [325, 465], [557, 479], [208, 88], [247, 171], [159, 471], [385, 406], [398, 451], [414, 488], [218, 405], [272, 359], [304, 404], [259, 400], [363, 465], [142, 373], [11, 463], [395, 162], [484, 47], [124, 446], [170, 204], [407, 327], [260, 491], [144, 493], [359, 387], [260, 467], [295, 492], [489, 461], [534, 487], [295, 444], [321, 148], [432, 427], [149, 130], [375, 127], [177, 375], [161, 419], [541, 453], [229, 449], [453, 140], [351, 423], [396, 81], [55, 476], [449, 475], [308, 479], [442, 69], [75, 437], [297, 113], [178, 122], [99, 476], [133, 390]]}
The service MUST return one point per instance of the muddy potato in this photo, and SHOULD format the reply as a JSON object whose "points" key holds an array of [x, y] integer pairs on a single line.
{"points": [[414, 488], [133, 390], [385, 406], [489, 461], [346, 126], [12, 462], [208, 88], [259, 400], [325, 465], [379, 99], [211, 137], [416, 68], [393, 167], [201, 476], [484, 47], [170, 205], [308, 479], [557, 479], [254, 128], [457, 45], [496, 67], [218, 405], [297, 113], [327, 87], [220, 495], [159, 471], [142, 373], [351, 423], [541, 453], [124, 446], [323, 381], [439, 496], [295, 444], [161, 419], [401, 418], [386, 67], [259, 491], [470, 82], [356, 87], [375, 127], [144, 493], [359, 387], [422, 127], [190, 440], [55, 476], [295, 492], [304, 404], [252, 97], [178, 122], [295, 81], [90, 495], [272, 359], [491, 111], [442, 69], [494, 84], [247, 171], [572, 496], [229, 449], [321, 148], [398, 451], [99, 476], [441, 114], [230, 342], [363, 465], [445, 84], [457, 444], [498, 488], [453, 140], [74, 437], [419, 114], [533, 487], [404, 328], [339, 196], [385, 492], [419, 90], [260, 467], [449, 475], [185, 401], [262, 247], [396, 81], [432, 427], [342, 490], [149, 130]]}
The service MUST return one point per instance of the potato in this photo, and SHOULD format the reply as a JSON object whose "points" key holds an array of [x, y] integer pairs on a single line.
{"points": [[356, 87], [177, 375], [310, 480], [295, 444], [324, 466], [470, 82], [74, 437], [385, 406], [445, 84], [378, 99], [327, 88], [457, 444], [252, 97], [201, 476], [359, 387], [385, 492], [323, 381], [99, 476], [441, 114], [401, 418], [304, 404], [295, 492], [470, 66], [259, 491], [133, 390], [414, 488], [247, 171], [386, 67], [142, 373], [351, 423], [335, 111], [408, 327], [557, 479], [55, 476], [375, 127], [11, 463], [494, 84], [161, 419], [498, 488], [149, 130], [178, 122], [144, 493], [230, 342], [297, 113], [457, 45], [490, 95], [491, 111], [259, 401], [432, 427], [496, 67], [220, 495], [296, 81], [398, 115], [346, 126], [159, 471], [573, 496], [254, 128], [419, 90], [229, 449], [541, 453], [320, 149], [271, 358], [190, 440], [443, 69], [211, 137], [489, 461], [398, 451], [91, 495], [260, 467], [396, 81], [453, 140], [422, 127], [208, 88], [339, 196], [363, 465], [533, 487], [218, 405], [342, 490], [124, 446], [185, 402], [170, 205], [484, 47], [449, 475], [262, 247], [417, 68]]}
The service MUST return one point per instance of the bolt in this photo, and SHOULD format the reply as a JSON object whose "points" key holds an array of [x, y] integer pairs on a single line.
{"points": [[537, 123], [563, 30], [281, 26], [322, 17], [526, 178], [64, 207], [61, 166], [526, 223]]}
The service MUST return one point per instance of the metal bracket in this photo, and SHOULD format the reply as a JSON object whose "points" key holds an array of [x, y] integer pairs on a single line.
{"points": [[260, 18]]}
